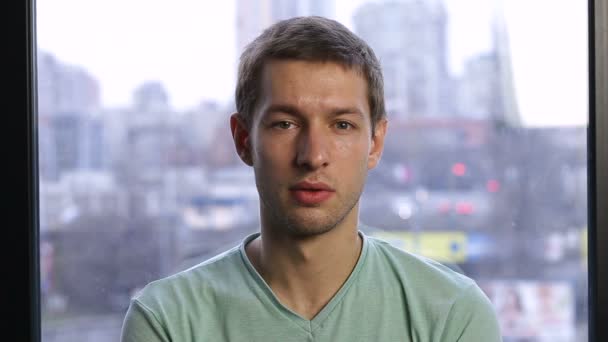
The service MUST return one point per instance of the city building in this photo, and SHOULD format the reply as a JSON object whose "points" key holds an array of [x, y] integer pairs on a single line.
{"points": [[409, 38], [485, 90], [71, 131]]}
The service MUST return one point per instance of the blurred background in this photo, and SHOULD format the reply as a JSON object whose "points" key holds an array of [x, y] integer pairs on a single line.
{"points": [[484, 168]]}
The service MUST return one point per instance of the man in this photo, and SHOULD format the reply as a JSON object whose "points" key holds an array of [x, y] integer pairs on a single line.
{"points": [[311, 123]]}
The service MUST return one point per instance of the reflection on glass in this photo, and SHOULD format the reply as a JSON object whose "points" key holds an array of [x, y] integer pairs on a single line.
{"points": [[131, 192]]}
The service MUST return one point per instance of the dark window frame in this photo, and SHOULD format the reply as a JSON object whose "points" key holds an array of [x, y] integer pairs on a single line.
{"points": [[598, 168], [21, 236]]}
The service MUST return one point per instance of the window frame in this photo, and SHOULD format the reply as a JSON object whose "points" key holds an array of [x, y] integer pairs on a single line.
{"points": [[22, 241], [23, 259], [598, 165]]}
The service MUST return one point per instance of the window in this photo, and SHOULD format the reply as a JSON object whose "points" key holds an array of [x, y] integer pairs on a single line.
{"points": [[517, 163]]}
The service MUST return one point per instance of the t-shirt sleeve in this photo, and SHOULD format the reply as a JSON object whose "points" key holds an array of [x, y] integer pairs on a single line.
{"points": [[141, 325], [472, 319]]}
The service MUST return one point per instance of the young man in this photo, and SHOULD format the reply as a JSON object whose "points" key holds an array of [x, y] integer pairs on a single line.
{"points": [[311, 123]]}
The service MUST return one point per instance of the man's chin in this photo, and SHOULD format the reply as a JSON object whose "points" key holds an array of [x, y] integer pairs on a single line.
{"points": [[307, 232], [309, 226]]}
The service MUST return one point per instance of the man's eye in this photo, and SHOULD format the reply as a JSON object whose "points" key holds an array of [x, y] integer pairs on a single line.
{"points": [[282, 125], [343, 125]]}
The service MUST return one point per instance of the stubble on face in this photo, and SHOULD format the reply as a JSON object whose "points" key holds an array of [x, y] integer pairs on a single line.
{"points": [[314, 89], [310, 222]]}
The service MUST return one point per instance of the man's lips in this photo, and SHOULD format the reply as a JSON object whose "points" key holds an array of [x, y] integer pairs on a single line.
{"points": [[308, 193], [309, 186]]}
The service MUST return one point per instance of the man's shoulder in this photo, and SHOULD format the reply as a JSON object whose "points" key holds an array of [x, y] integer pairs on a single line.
{"points": [[194, 283], [417, 271], [434, 288]]}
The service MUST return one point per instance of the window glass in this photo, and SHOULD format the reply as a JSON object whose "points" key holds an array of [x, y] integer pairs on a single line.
{"points": [[484, 167]]}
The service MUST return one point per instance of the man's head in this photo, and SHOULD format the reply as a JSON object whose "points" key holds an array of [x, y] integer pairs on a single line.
{"points": [[313, 39], [311, 122]]}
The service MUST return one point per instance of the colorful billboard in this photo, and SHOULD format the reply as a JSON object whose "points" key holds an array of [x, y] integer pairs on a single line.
{"points": [[533, 310]]}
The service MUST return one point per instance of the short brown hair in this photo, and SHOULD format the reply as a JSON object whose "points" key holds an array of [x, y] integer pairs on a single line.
{"points": [[311, 39]]}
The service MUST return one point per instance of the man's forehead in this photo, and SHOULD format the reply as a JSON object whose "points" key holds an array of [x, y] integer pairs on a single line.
{"points": [[302, 76], [271, 63], [303, 83]]}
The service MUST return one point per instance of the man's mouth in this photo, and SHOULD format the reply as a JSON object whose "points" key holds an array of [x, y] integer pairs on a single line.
{"points": [[308, 193], [310, 186]]}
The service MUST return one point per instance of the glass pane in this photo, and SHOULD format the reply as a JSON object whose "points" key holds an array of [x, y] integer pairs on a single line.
{"points": [[484, 167]]}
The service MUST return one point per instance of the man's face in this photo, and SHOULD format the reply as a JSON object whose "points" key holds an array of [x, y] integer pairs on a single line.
{"points": [[310, 145]]}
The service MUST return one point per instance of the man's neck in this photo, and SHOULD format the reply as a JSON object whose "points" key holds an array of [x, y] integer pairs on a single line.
{"points": [[305, 274]]}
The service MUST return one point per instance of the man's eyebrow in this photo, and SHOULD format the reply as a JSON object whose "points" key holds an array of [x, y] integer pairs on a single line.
{"points": [[347, 110], [292, 110], [282, 108]]}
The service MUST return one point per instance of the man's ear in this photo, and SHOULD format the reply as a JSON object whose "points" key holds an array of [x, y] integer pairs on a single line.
{"points": [[377, 146], [241, 137]]}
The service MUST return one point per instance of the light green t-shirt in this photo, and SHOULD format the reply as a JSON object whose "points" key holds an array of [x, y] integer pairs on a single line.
{"points": [[391, 295]]}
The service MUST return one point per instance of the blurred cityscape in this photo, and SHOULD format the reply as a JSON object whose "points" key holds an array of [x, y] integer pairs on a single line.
{"points": [[129, 195]]}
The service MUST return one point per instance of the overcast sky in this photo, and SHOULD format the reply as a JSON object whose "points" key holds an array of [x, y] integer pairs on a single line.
{"points": [[189, 45]]}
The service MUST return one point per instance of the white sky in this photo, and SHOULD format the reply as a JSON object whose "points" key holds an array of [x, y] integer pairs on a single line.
{"points": [[189, 45]]}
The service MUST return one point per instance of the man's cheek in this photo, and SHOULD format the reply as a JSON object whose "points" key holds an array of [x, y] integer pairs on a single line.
{"points": [[343, 146]]}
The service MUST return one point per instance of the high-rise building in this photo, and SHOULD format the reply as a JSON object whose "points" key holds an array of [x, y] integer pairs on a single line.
{"points": [[65, 88], [70, 141], [477, 89], [253, 16], [151, 96], [485, 89], [71, 133], [142, 148], [77, 141], [509, 112], [409, 38]]}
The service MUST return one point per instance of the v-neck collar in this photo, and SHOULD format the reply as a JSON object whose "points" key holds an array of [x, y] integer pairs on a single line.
{"points": [[312, 325]]}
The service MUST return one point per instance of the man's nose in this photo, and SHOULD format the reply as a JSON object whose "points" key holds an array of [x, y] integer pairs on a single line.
{"points": [[313, 148]]}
